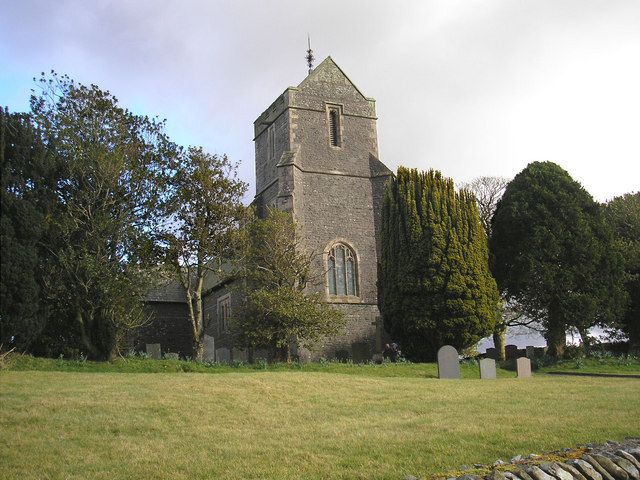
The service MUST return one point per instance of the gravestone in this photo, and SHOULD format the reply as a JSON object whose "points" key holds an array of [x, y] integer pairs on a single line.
{"points": [[153, 351], [530, 352], [511, 351], [540, 351], [491, 353], [360, 352], [487, 368], [209, 354], [239, 355], [523, 365], [448, 363], [223, 355]]}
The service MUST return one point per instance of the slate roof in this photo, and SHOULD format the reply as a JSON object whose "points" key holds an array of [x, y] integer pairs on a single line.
{"points": [[170, 291]]}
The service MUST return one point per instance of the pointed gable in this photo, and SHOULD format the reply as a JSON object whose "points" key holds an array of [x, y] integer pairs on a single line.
{"points": [[329, 72], [328, 83]]}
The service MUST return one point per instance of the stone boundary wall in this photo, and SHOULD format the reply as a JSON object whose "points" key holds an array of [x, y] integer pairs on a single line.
{"points": [[611, 461]]}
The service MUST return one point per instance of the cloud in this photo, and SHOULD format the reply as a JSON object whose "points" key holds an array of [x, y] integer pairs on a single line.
{"points": [[468, 87]]}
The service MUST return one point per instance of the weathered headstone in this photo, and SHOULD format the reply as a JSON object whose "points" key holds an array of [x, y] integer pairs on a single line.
{"points": [[209, 354], [448, 363], [487, 368], [530, 352], [491, 353], [523, 365], [223, 355], [511, 351], [360, 352], [153, 351]]}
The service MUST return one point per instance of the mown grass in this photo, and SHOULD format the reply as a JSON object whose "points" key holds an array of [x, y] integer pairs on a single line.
{"points": [[290, 424]]}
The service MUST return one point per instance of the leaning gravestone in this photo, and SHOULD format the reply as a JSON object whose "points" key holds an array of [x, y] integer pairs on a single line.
{"points": [[491, 353], [448, 363], [523, 365], [209, 354], [153, 351], [487, 368]]}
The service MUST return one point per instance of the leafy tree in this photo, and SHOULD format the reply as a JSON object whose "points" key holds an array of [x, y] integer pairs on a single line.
{"points": [[27, 173], [206, 207], [552, 253], [623, 214], [115, 168], [274, 271], [434, 284]]}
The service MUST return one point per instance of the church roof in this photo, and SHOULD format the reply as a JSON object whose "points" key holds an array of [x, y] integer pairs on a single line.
{"points": [[171, 291], [326, 67]]}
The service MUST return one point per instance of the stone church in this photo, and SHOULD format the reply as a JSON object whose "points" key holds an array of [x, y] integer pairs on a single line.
{"points": [[316, 156]]}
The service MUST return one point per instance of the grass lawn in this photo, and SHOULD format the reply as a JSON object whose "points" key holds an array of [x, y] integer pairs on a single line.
{"points": [[294, 424]]}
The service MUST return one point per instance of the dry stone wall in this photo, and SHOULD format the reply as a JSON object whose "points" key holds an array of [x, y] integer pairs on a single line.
{"points": [[612, 461]]}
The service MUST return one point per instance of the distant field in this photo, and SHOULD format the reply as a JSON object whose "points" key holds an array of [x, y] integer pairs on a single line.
{"points": [[295, 424]]}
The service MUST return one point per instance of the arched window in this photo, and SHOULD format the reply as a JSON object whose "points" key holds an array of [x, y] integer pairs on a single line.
{"points": [[342, 271]]}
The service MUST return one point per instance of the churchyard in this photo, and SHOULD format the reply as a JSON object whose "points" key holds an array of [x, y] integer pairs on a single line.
{"points": [[317, 420]]}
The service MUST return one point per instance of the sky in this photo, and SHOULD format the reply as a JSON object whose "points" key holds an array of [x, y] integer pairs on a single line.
{"points": [[468, 87]]}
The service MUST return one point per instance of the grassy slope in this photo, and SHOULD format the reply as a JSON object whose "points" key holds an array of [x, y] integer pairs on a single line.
{"points": [[293, 425]]}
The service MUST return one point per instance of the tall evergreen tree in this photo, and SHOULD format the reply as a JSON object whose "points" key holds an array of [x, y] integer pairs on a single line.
{"points": [[434, 284], [552, 253], [27, 176], [623, 214]]}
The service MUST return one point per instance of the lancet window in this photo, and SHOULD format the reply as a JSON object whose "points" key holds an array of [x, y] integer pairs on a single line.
{"points": [[342, 271]]}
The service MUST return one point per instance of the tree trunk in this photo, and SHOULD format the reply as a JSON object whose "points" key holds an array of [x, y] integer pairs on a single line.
{"points": [[198, 320], [85, 337], [556, 340], [198, 349], [586, 340], [500, 340]]}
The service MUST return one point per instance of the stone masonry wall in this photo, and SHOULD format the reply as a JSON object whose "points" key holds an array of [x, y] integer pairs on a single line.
{"points": [[612, 461], [334, 192]]}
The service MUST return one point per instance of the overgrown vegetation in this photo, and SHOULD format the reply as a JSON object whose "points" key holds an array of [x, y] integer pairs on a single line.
{"points": [[273, 272], [92, 177]]}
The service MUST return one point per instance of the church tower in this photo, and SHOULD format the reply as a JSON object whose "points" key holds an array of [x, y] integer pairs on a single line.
{"points": [[317, 157]]}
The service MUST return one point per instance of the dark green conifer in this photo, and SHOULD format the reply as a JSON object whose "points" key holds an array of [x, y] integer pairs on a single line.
{"points": [[434, 287]]}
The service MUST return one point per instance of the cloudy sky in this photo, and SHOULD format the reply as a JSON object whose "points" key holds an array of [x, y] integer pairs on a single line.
{"points": [[467, 87]]}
